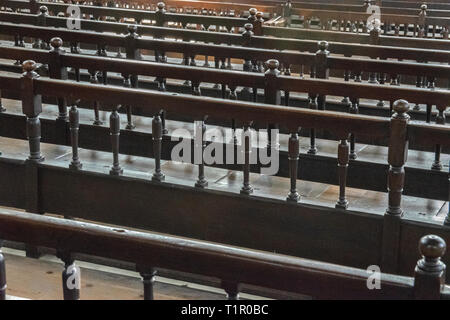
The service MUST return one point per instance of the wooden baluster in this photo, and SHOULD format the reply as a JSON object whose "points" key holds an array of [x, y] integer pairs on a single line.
{"points": [[429, 275], [148, 280], [322, 70], [287, 72], [32, 107], [447, 219], [343, 159], [157, 147], [70, 277], [2, 274], [127, 84], [294, 153], [419, 84], [232, 289], [312, 132], [74, 119], [440, 119], [57, 71], [272, 93], [247, 188], [354, 109], [114, 121], [247, 67], [94, 80], [201, 145], [346, 100], [430, 85], [397, 156]]}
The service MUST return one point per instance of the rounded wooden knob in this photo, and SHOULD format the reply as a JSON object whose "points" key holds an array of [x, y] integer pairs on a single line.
{"points": [[132, 28], [401, 107], [29, 66], [248, 27], [56, 42], [432, 247], [423, 7], [272, 64], [259, 15], [43, 9], [323, 45], [252, 11], [161, 5]]}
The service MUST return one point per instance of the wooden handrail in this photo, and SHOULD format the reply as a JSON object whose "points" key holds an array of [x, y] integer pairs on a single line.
{"points": [[229, 264]]}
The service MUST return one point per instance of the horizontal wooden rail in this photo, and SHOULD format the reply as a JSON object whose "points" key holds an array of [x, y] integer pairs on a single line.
{"points": [[232, 265]]}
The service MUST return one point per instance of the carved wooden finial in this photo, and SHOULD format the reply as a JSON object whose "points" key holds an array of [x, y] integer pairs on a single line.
{"points": [[56, 43], [132, 29], [161, 6], [401, 107], [259, 16], [272, 64], [253, 11], [432, 248], [423, 9], [43, 9], [248, 27], [29, 66], [323, 45]]}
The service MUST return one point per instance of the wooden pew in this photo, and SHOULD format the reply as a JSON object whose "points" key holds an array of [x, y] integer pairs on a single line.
{"points": [[232, 265], [279, 220], [196, 77]]}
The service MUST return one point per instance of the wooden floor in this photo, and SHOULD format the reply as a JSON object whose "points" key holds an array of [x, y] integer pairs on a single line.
{"points": [[41, 280]]}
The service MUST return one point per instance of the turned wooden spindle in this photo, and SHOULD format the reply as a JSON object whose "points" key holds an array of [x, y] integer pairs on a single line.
{"points": [[201, 182], [71, 277], [2, 274], [74, 122], [157, 147], [114, 122], [429, 274], [397, 155], [148, 280], [94, 80], [312, 132], [294, 153], [127, 84], [58, 71], [440, 119], [247, 188], [272, 94], [232, 289], [32, 107], [343, 160]]}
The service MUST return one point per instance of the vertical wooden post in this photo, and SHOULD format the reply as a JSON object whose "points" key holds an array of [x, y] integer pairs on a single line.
{"points": [[114, 123], [247, 35], [422, 21], [343, 159], [74, 119], [201, 182], [353, 109], [247, 188], [322, 70], [58, 71], [41, 20], [70, 277], [32, 107], [232, 288], [429, 275], [157, 147], [272, 94], [148, 279], [440, 119], [2, 274], [397, 156], [312, 104], [294, 152]]}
